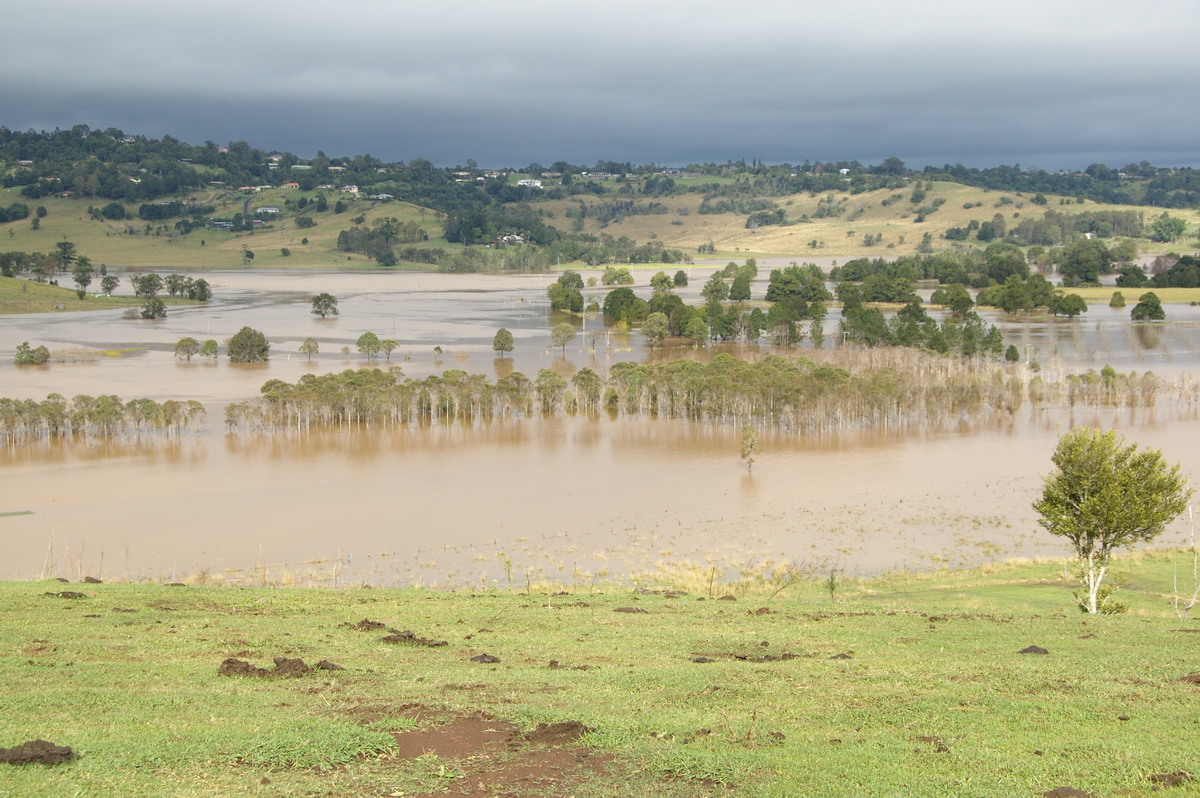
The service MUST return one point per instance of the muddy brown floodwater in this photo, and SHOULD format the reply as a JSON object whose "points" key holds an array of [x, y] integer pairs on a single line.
{"points": [[569, 499]]}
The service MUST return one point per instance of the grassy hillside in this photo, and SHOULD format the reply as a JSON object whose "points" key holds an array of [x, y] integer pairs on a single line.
{"points": [[25, 296], [887, 217], [886, 213], [111, 242], [904, 685]]}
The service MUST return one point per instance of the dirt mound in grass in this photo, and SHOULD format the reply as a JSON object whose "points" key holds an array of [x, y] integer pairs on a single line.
{"points": [[285, 668], [564, 733], [36, 752], [407, 638]]}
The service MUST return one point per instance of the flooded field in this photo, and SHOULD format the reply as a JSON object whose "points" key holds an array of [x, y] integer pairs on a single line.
{"points": [[570, 499]]}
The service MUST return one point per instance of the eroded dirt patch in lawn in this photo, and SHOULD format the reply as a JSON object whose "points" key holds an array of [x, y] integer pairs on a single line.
{"points": [[490, 756]]}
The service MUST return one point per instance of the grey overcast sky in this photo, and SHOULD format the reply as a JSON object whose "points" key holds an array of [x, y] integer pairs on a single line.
{"points": [[1057, 84]]}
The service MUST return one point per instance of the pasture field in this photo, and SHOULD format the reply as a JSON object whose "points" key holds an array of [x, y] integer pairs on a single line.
{"points": [[903, 684]]}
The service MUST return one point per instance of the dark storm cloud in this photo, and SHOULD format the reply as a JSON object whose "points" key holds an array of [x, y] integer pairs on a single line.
{"points": [[1056, 84]]}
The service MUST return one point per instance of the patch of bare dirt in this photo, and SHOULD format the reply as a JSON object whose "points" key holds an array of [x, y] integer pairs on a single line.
{"points": [[36, 752], [493, 759]]}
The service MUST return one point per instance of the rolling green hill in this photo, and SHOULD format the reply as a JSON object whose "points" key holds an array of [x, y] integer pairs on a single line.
{"points": [[877, 223]]}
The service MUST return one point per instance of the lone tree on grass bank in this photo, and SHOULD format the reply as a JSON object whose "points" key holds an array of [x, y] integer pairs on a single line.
{"points": [[248, 346], [1104, 495]]}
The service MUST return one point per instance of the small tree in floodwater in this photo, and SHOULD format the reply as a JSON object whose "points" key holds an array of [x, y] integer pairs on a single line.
{"points": [[750, 450]]}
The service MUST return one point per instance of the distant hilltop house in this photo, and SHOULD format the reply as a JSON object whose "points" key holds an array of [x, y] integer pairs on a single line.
{"points": [[25, 162], [530, 182], [844, 171], [268, 209], [301, 167], [349, 189], [291, 185]]}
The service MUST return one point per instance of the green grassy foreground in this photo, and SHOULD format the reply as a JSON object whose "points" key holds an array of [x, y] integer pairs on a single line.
{"points": [[903, 685]]}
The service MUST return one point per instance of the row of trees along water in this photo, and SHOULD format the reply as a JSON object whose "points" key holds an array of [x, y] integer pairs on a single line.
{"points": [[848, 389], [24, 421]]}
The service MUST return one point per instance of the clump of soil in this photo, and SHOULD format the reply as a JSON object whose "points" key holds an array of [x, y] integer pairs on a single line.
{"points": [[645, 591], [285, 668], [36, 752], [568, 731], [407, 638], [366, 625], [630, 609], [1173, 779], [1033, 650], [938, 746], [486, 659], [68, 594], [1191, 678]]}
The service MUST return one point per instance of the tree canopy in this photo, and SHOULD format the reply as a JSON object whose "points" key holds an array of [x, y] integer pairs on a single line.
{"points": [[248, 346], [324, 305], [1104, 495]]}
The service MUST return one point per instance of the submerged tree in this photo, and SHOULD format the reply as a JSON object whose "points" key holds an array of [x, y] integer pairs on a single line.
{"points": [[1148, 308], [186, 347], [1104, 495], [154, 308], [309, 347], [750, 450], [369, 344], [27, 356], [248, 346], [562, 335], [503, 342], [324, 305]]}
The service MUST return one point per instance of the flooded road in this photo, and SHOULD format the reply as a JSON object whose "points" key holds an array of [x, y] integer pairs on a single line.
{"points": [[568, 499]]}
